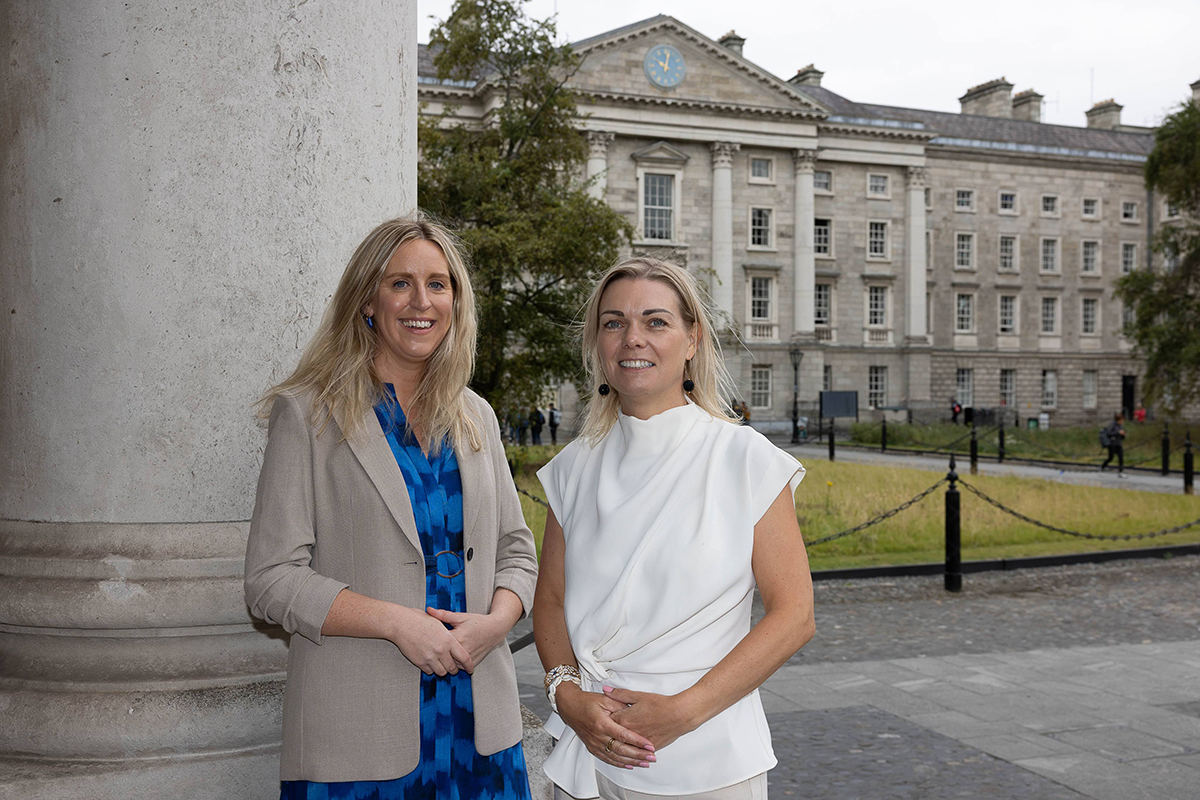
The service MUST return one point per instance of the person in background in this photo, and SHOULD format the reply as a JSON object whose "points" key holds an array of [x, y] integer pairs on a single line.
{"points": [[1116, 443], [1139, 413], [955, 410], [536, 420], [555, 421], [387, 538]]}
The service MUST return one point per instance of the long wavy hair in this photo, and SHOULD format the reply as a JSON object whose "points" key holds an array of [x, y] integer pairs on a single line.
{"points": [[706, 369], [338, 366]]}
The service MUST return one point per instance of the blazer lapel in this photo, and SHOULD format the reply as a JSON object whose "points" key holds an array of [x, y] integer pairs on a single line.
{"points": [[472, 470], [371, 448]]}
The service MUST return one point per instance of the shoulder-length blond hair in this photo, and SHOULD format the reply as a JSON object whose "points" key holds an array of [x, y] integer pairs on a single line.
{"points": [[706, 369], [337, 368]]}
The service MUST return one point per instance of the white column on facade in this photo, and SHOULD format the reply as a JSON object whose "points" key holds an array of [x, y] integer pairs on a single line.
{"points": [[918, 179], [182, 191], [722, 226], [803, 267], [597, 163]]}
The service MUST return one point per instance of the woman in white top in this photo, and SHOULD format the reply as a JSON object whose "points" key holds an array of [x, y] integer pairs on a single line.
{"points": [[664, 515]]}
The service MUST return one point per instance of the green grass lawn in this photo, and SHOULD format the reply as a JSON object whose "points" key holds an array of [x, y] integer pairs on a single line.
{"points": [[835, 496], [1143, 443]]}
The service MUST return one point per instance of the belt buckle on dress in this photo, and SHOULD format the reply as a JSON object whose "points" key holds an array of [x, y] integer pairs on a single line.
{"points": [[453, 553]]}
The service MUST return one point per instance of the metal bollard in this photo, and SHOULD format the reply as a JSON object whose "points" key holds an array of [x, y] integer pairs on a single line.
{"points": [[1187, 465], [831, 440], [1166, 451], [883, 437], [953, 533], [1000, 454], [974, 450]]}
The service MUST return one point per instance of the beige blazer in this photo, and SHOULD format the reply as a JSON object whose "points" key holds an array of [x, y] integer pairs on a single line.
{"points": [[332, 514]]}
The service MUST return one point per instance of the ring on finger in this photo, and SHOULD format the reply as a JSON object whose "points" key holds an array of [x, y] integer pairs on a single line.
{"points": [[608, 748]]}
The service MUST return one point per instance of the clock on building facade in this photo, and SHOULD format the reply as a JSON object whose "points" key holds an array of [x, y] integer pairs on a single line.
{"points": [[665, 66]]}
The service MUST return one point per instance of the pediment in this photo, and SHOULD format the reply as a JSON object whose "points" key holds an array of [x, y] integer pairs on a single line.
{"points": [[660, 153], [715, 77]]}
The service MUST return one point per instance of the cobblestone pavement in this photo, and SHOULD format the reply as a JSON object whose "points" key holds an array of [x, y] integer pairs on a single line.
{"points": [[1062, 682]]}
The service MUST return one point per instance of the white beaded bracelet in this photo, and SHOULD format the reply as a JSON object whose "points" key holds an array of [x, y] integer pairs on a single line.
{"points": [[566, 676]]}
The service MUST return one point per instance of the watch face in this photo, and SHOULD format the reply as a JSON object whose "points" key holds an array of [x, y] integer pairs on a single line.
{"points": [[664, 66]]}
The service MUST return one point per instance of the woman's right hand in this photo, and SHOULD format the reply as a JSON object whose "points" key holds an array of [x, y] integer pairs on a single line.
{"points": [[589, 714], [426, 642]]}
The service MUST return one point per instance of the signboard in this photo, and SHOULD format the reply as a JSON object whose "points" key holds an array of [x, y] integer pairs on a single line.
{"points": [[839, 404]]}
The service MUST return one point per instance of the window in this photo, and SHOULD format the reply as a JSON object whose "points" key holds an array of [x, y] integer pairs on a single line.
{"points": [[1049, 388], [823, 304], [761, 308], [1128, 318], [964, 382], [762, 170], [1128, 212], [964, 251], [761, 234], [1050, 315], [1089, 388], [1170, 260], [928, 197], [1008, 313], [964, 199], [877, 386], [877, 306], [1049, 205], [964, 313], [928, 249], [1049, 254], [1090, 311], [760, 387], [760, 299], [1170, 209], [1091, 208], [1128, 258], [659, 206], [827, 379], [877, 185], [1008, 253], [1008, 387], [823, 181], [1090, 253], [877, 240], [1008, 202], [823, 237]]}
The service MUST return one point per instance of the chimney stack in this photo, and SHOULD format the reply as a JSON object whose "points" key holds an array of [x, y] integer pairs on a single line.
{"points": [[991, 99], [731, 41], [1105, 115], [811, 76], [1027, 105]]}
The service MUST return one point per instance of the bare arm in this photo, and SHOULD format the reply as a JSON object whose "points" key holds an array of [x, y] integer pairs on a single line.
{"points": [[780, 565], [589, 714]]}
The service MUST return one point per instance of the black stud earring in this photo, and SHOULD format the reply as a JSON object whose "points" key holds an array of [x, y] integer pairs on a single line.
{"points": [[688, 385], [603, 390]]}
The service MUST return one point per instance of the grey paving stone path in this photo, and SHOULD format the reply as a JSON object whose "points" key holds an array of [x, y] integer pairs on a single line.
{"points": [[1065, 682]]}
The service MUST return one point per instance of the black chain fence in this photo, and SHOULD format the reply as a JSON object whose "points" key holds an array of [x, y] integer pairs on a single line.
{"points": [[533, 497], [880, 518]]}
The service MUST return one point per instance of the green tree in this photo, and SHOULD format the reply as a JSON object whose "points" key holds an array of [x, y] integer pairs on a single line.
{"points": [[512, 184], [1166, 302]]}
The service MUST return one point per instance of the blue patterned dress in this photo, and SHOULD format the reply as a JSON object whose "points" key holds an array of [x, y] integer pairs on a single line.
{"points": [[449, 768]]}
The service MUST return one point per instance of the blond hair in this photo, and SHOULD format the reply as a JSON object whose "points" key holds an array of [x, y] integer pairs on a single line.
{"points": [[706, 369], [338, 366]]}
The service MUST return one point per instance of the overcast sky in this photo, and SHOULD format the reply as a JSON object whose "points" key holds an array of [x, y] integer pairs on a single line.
{"points": [[926, 55]]}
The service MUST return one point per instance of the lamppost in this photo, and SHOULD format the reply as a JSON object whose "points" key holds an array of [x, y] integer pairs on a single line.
{"points": [[796, 355]]}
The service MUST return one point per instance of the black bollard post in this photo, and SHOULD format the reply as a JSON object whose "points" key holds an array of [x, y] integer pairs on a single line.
{"points": [[1166, 451], [883, 436], [974, 450], [953, 533], [1000, 455], [831, 426], [1187, 465]]}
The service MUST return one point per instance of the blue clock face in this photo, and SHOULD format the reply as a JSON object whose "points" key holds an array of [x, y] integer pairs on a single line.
{"points": [[664, 66]]}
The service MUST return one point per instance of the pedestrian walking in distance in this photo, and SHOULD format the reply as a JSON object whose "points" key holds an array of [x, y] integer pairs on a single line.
{"points": [[1113, 437], [555, 421], [955, 410]]}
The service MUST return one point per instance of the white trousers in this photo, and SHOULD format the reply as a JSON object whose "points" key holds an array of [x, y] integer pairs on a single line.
{"points": [[750, 789]]}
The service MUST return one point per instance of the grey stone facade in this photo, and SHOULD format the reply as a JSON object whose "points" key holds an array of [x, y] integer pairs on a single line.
{"points": [[873, 187]]}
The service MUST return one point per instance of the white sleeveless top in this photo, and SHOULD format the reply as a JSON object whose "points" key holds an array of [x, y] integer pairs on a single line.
{"points": [[659, 521]]}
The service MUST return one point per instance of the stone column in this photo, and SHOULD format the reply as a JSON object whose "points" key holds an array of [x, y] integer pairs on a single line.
{"points": [[597, 163], [722, 226], [803, 267], [181, 192], [918, 179]]}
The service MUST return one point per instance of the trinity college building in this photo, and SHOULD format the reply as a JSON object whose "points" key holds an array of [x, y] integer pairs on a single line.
{"points": [[910, 255]]}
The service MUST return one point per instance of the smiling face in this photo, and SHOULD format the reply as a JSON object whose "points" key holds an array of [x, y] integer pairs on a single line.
{"points": [[411, 311], [643, 344]]}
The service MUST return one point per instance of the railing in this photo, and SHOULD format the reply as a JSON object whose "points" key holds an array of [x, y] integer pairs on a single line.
{"points": [[878, 335], [824, 334], [762, 331]]}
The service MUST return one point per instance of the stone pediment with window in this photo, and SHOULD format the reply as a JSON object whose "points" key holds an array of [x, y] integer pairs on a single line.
{"points": [[620, 66]]}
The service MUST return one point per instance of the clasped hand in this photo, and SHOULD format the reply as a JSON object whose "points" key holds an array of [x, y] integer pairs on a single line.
{"points": [[622, 727], [425, 640]]}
